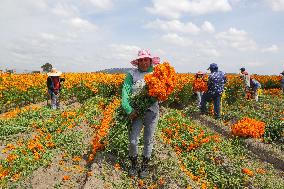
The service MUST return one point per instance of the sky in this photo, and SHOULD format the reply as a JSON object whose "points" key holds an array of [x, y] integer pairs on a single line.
{"points": [[92, 35]]}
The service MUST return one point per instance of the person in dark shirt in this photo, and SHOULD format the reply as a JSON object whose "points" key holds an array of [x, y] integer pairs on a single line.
{"points": [[216, 82], [53, 85]]}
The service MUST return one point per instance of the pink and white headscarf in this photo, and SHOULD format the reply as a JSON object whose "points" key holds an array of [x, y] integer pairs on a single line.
{"points": [[144, 53]]}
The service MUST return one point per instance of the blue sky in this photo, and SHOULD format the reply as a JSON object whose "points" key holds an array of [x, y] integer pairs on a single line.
{"points": [[90, 35]]}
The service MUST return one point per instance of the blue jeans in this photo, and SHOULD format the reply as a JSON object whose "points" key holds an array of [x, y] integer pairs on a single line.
{"points": [[206, 97], [199, 97], [150, 122], [54, 99]]}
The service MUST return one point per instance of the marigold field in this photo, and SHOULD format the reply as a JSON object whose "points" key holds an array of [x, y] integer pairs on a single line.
{"points": [[85, 143]]}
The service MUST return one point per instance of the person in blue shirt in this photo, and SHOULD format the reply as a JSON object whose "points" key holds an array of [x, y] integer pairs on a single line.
{"points": [[216, 82]]}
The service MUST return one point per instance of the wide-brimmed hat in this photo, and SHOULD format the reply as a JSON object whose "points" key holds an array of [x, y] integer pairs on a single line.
{"points": [[54, 72], [145, 53], [199, 73]]}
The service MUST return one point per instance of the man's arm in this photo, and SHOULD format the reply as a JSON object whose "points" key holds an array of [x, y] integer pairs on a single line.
{"points": [[49, 83]]}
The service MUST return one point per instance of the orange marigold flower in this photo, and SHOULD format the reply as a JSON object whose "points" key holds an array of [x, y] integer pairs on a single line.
{"points": [[260, 171], [65, 178], [76, 158], [117, 166], [247, 172], [15, 177]]}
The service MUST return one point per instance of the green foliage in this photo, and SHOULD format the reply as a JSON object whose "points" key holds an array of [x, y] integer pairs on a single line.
{"points": [[274, 130], [234, 92], [181, 97], [108, 90], [82, 93], [118, 135]]}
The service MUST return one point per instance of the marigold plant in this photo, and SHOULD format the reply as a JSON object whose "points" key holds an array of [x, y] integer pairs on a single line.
{"points": [[248, 127], [247, 172]]}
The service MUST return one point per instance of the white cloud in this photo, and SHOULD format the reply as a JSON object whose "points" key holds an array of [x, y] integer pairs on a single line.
{"points": [[172, 9], [174, 26], [123, 51], [48, 36], [208, 27], [65, 10], [210, 52], [102, 4], [82, 24], [255, 64], [276, 5], [272, 49], [175, 39], [168, 8], [47, 31], [237, 39]]}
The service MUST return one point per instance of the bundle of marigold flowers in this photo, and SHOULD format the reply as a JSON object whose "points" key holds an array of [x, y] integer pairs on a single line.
{"points": [[159, 85], [161, 82], [248, 127]]}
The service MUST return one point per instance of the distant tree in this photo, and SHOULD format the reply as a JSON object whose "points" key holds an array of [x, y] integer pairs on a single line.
{"points": [[46, 67]]}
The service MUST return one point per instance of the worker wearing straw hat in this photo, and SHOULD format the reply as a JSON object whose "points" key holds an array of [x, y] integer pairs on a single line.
{"points": [[54, 85]]}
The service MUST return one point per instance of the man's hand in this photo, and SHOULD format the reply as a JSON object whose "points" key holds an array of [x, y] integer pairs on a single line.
{"points": [[56, 92], [133, 115]]}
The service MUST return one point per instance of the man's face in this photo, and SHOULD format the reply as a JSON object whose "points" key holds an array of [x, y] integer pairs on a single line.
{"points": [[144, 64]]}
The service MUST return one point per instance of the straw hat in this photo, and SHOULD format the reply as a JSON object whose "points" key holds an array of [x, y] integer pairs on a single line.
{"points": [[54, 72]]}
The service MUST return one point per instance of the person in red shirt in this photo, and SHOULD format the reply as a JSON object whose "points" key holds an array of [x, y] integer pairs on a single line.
{"points": [[54, 84]]}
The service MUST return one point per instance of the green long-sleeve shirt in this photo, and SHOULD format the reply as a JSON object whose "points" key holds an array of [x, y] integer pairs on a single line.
{"points": [[127, 91]]}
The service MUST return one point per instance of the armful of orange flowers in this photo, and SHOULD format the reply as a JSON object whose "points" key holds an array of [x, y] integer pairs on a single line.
{"points": [[159, 85]]}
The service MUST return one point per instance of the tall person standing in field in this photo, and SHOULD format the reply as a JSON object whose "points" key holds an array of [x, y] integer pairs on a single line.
{"points": [[133, 84], [53, 85], [246, 79], [216, 82]]}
